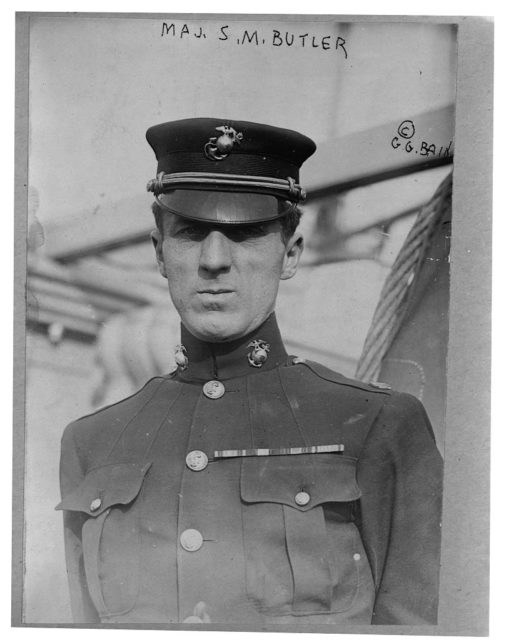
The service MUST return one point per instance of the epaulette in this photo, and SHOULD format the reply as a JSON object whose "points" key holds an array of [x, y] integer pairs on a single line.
{"points": [[123, 400], [338, 378]]}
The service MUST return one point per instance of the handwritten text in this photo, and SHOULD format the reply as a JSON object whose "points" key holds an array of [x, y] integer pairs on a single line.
{"points": [[255, 37]]}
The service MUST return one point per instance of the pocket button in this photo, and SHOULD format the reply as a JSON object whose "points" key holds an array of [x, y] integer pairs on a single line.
{"points": [[95, 504], [302, 498]]}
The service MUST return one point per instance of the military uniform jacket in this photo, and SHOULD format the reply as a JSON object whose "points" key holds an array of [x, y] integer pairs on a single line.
{"points": [[297, 496]]}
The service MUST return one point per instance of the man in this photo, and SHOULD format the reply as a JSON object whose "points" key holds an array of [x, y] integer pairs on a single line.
{"points": [[248, 486]]}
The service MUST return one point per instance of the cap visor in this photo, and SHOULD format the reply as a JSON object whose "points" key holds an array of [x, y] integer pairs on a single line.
{"points": [[223, 207]]}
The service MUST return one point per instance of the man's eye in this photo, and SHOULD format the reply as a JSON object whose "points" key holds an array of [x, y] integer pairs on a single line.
{"points": [[198, 232], [246, 232], [192, 231]]}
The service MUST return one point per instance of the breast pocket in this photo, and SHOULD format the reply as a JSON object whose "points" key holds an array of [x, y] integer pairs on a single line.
{"points": [[111, 534], [303, 550]]}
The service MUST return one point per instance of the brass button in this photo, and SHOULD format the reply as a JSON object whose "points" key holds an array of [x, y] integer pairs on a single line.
{"points": [[356, 557], [191, 540], [96, 504], [196, 460], [213, 389], [302, 498]]}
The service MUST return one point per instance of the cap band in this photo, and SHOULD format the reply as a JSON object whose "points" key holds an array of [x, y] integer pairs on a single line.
{"points": [[287, 188]]}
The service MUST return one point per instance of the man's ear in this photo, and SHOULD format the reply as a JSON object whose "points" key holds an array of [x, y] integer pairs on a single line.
{"points": [[293, 251], [156, 239]]}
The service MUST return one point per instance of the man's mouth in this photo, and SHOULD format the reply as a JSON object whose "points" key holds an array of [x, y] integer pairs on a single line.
{"points": [[215, 291]]}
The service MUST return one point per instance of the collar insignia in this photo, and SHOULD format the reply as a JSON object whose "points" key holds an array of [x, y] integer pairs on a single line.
{"points": [[180, 357], [259, 352]]}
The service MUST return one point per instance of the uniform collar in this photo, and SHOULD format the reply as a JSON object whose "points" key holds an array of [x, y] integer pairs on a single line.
{"points": [[224, 360]]}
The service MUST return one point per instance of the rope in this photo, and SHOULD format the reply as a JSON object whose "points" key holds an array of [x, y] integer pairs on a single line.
{"points": [[395, 295]]}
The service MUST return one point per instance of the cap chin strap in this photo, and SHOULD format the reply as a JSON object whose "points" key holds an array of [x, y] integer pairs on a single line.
{"points": [[287, 189]]}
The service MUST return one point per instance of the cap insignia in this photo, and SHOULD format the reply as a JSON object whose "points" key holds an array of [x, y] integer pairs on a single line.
{"points": [[219, 147]]}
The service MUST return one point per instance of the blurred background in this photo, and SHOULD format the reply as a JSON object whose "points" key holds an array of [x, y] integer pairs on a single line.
{"points": [[100, 323]]}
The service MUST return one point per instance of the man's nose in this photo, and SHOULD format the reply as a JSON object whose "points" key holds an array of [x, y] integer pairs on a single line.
{"points": [[215, 254]]}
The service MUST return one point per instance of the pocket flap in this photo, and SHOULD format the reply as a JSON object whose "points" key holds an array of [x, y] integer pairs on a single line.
{"points": [[324, 477], [106, 486]]}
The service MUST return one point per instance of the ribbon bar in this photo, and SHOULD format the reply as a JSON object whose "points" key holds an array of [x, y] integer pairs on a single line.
{"points": [[284, 451]]}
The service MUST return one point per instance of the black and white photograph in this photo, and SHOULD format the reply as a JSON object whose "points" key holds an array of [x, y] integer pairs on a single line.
{"points": [[251, 318]]}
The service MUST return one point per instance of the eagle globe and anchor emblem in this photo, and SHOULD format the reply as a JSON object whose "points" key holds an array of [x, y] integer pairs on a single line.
{"points": [[219, 147]]}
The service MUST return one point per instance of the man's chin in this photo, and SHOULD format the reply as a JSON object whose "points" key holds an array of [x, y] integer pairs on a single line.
{"points": [[216, 327]]}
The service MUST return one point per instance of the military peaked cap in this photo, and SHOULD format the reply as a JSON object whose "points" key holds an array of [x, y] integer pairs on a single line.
{"points": [[227, 171]]}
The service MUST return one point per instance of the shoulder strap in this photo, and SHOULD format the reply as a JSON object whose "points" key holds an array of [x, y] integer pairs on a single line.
{"points": [[338, 378]]}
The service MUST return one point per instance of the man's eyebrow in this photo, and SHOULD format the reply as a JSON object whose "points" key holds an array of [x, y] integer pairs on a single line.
{"points": [[183, 222]]}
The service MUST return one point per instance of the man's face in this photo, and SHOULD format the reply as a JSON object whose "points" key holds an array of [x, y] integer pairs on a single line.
{"points": [[223, 279]]}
